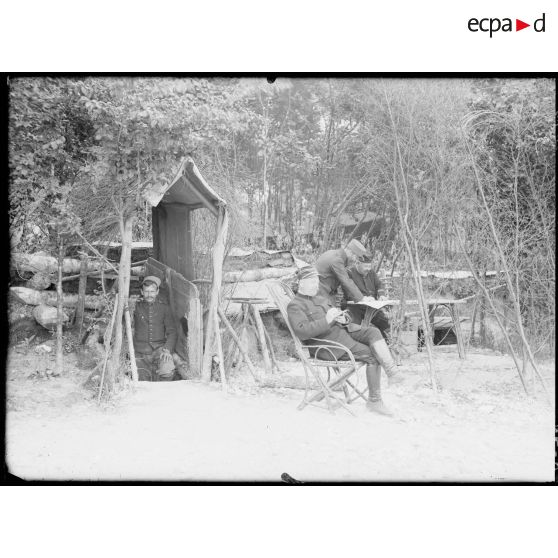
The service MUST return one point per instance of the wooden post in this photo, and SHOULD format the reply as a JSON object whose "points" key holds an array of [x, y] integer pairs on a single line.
{"points": [[123, 289], [482, 321], [131, 349], [431, 321], [220, 351], [456, 318], [156, 233], [261, 335], [59, 315], [212, 325], [108, 337], [274, 363], [473, 322], [81, 293], [236, 339]]}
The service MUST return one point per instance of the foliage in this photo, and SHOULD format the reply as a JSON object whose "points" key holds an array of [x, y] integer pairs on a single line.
{"points": [[513, 145], [309, 160]]}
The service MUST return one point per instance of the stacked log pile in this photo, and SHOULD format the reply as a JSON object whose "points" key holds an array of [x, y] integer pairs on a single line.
{"points": [[34, 277]]}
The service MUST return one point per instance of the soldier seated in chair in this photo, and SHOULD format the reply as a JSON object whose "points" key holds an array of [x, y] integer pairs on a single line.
{"points": [[154, 335], [314, 319]]}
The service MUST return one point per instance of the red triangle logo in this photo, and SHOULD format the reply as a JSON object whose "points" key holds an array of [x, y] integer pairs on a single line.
{"points": [[519, 25]]}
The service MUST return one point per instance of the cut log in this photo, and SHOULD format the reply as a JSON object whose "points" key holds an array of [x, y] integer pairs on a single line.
{"points": [[48, 264], [47, 316], [258, 274], [40, 281], [34, 298]]}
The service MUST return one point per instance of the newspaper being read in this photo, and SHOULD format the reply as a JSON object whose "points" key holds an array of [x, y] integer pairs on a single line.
{"points": [[371, 303]]}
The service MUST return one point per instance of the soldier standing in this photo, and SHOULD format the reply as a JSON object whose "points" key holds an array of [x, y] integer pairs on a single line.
{"points": [[332, 268], [368, 282]]}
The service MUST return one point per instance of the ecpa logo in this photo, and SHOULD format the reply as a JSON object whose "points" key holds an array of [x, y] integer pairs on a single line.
{"points": [[492, 25]]}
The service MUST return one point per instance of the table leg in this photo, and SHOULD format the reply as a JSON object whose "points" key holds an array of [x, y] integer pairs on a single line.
{"points": [[431, 310], [260, 330], [457, 328]]}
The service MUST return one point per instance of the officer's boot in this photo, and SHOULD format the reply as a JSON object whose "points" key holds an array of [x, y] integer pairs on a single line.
{"points": [[383, 354], [375, 403]]}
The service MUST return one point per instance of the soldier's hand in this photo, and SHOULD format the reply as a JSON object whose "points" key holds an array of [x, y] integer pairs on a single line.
{"points": [[332, 314], [343, 319], [383, 297], [166, 356], [368, 299]]}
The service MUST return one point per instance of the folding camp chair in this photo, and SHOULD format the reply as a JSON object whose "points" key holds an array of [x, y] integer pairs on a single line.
{"points": [[339, 371]]}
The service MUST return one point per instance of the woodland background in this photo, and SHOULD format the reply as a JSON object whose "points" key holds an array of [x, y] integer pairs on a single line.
{"points": [[429, 173]]}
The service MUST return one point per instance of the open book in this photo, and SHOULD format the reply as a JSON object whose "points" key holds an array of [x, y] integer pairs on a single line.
{"points": [[376, 304]]}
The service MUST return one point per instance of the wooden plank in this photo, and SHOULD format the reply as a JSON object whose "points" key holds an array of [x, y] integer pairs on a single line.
{"points": [[184, 298], [195, 335], [432, 301], [188, 271], [156, 233], [174, 238]]}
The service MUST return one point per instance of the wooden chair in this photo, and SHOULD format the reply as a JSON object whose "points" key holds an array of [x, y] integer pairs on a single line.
{"points": [[339, 371]]}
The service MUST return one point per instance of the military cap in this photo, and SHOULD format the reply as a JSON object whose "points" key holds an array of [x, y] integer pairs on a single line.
{"points": [[357, 248], [151, 279], [307, 271]]}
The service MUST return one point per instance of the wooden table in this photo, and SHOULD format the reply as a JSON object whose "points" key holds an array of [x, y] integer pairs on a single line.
{"points": [[451, 304], [251, 319]]}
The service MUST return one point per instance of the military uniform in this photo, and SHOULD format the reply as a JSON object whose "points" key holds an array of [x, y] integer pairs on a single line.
{"points": [[307, 316], [154, 330], [332, 269], [371, 285]]}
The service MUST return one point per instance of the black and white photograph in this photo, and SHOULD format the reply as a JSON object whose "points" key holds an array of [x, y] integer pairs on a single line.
{"points": [[281, 279]]}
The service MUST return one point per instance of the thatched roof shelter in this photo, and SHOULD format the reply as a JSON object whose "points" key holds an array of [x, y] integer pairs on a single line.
{"points": [[173, 261], [173, 205]]}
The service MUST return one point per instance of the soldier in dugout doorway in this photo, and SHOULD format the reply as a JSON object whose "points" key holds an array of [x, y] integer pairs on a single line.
{"points": [[154, 334]]}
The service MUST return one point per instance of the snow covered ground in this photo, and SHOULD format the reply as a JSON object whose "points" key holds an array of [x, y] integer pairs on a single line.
{"points": [[480, 428]]}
